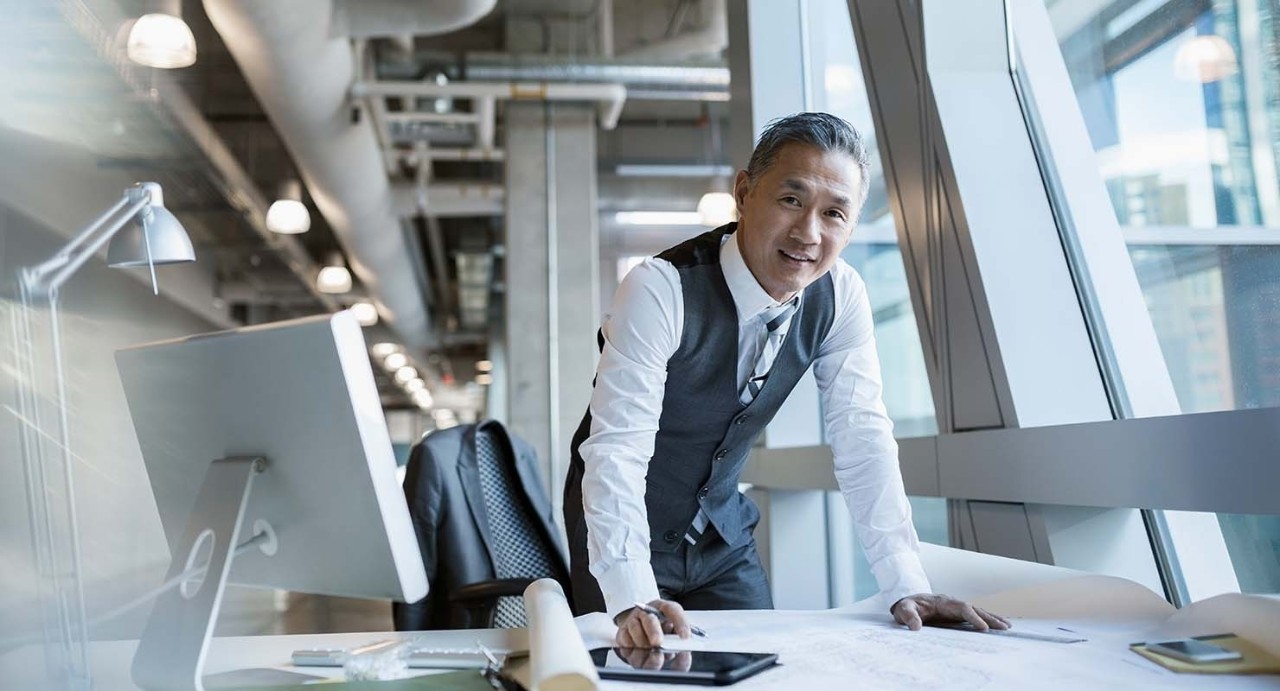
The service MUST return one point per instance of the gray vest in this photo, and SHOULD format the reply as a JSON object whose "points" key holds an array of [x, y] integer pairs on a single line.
{"points": [[705, 433]]}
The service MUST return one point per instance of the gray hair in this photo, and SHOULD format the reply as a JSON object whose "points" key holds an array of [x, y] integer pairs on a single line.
{"points": [[822, 130]]}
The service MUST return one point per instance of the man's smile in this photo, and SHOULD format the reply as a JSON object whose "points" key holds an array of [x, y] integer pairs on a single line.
{"points": [[796, 256]]}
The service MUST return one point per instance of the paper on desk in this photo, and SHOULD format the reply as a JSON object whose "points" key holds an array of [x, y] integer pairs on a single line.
{"points": [[969, 575], [597, 629], [558, 659], [1097, 598]]}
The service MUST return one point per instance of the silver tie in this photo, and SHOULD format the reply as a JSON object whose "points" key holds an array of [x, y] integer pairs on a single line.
{"points": [[775, 320]]}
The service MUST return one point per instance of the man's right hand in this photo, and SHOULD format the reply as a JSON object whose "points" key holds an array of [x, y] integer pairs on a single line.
{"points": [[639, 629]]}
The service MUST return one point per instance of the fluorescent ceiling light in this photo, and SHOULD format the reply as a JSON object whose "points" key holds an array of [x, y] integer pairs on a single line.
{"points": [[415, 385], [484, 366], [423, 398], [658, 218], [672, 170], [365, 313], [382, 350], [161, 40], [484, 379]]}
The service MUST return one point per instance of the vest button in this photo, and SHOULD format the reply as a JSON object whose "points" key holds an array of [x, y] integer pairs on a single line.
{"points": [[741, 419], [702, 493], [721, 454], [671, 536]]}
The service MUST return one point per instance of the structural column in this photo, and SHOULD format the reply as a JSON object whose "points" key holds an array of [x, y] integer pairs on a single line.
{"points": [[552, 277]]}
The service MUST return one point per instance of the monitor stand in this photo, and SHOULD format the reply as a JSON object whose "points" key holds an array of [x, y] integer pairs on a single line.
{"points": [[172, 651]]}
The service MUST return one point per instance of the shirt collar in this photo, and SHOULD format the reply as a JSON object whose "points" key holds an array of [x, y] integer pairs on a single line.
{"points": [[748, 296]]}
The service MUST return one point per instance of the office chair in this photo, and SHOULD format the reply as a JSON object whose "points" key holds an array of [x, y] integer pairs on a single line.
{"points": [[484, 526]]}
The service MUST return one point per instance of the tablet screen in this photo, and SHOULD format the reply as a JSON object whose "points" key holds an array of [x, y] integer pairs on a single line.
{"points": [[672, 666]]}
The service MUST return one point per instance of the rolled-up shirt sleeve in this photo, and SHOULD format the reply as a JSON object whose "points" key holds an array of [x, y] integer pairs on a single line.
{"points": [[861, 436], [641, 333]]}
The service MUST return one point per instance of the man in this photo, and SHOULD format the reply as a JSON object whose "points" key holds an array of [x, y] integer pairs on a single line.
{"points": [[703, 345]]}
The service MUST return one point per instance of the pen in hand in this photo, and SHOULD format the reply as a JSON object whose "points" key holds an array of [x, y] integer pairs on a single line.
{"points": [[663, 618]]}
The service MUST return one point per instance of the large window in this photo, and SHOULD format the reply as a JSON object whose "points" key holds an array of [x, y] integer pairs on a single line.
{"points": [[836, 86], [1182, 103]]}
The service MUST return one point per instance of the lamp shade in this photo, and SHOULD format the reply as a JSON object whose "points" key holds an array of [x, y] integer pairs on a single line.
{"points": [[288, 215], [366, 313], [155, 229], [334, 280], [161, 40]]}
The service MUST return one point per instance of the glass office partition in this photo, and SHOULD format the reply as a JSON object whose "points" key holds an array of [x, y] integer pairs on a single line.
{"points": [[79, 529], [1182, 104]]}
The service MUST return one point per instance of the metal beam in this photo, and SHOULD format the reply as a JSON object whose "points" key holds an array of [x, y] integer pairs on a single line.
{"points": [[1211, 462]]}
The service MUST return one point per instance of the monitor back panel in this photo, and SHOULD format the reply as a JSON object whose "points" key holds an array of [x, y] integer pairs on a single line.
{"points": [[300, 394]]}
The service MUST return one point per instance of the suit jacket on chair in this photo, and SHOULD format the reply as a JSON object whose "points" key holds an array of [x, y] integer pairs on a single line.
{"points": [[442, 486]]}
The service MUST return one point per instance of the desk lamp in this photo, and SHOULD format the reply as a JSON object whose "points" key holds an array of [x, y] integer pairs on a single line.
{"points": [[152, 236]]}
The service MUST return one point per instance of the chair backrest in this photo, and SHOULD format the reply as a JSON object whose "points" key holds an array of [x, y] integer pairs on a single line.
{"points": [[520, 550]]}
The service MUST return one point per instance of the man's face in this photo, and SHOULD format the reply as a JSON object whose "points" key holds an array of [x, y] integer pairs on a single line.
{"points": [[797, 217]]}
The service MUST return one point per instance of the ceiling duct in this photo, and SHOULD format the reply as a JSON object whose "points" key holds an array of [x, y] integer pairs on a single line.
{"points": [[711, 39], [300, 68], [399, 18]]}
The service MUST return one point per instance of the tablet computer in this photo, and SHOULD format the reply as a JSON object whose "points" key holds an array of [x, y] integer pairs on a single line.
{"points": [[708, 667]]}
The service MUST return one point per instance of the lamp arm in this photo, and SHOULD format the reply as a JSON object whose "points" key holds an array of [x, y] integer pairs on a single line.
{"points": [[37, 273], [51, 274]]}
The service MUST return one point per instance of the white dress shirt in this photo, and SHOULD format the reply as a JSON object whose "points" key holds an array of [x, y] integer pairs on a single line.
{"points": [[642, 332]]}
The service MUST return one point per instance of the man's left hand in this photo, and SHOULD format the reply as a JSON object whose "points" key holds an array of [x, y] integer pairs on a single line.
{"points": [[915, 611]]}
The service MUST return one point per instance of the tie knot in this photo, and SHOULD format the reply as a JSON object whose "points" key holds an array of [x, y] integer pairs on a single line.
{"points": [[775, 317]]}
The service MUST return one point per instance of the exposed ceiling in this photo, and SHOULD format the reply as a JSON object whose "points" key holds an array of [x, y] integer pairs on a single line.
{"points": [[132, 119]]}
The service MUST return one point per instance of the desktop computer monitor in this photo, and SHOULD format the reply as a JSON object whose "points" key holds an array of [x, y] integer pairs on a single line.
{"points": [[274, 431]]}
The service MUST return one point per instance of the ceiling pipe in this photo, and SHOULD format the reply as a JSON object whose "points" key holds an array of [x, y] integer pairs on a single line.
{"points": [[300, 67], [604, 26], [449, 199], [240, 190], [610, 96]]}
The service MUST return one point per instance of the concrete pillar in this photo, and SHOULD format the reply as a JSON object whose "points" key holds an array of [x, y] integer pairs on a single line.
{"points": [[552, 281]]}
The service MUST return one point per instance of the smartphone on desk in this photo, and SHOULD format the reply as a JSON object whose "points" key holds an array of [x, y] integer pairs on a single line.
{"points": [[1193, 651]]}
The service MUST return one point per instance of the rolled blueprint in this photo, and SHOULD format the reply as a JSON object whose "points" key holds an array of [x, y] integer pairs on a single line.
{"points": [[558, 658]]}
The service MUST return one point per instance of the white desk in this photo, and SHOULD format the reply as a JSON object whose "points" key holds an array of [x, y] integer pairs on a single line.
{"points": [[859, 645], [828, 649]]}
